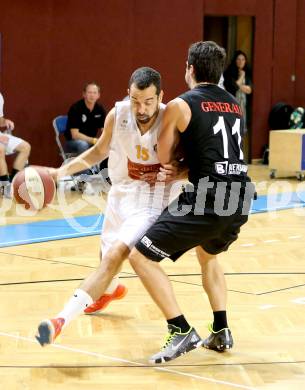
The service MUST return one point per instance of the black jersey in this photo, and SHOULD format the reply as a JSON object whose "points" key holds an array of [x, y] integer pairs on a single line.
{"points": [[212, 142]]}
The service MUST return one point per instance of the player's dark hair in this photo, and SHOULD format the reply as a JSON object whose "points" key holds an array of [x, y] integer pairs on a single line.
{"points": [[91, 83], [208, 60], [145, 77]]}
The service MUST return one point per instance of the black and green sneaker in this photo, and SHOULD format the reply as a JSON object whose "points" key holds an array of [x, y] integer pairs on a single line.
{"points": [[177, 343], [219, 341]]}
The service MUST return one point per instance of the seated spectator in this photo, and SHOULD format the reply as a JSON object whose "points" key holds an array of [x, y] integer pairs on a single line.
{"points": [[9, 145], [85, 123], [85, 119]]}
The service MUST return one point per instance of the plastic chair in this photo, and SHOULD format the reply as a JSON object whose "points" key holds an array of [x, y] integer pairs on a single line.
{"points": [[60, 125]]}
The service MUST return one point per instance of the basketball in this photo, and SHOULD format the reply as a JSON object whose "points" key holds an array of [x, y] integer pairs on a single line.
{"points": [[34, 187]]}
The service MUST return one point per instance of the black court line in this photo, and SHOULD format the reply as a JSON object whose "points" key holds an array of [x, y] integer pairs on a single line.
{"points": [[57, 280], [131, 276], [135, 276], [40, 281], [195, 274], [200, 285], [281, 289], [154, 366], [47, 260], [245, 292], [264, 273]]}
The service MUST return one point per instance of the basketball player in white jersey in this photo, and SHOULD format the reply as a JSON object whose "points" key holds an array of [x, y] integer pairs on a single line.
{"points": [[140, 190]]}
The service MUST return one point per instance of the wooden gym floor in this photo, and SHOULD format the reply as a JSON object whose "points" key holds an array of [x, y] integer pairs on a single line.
{"points": [[265, 272]]}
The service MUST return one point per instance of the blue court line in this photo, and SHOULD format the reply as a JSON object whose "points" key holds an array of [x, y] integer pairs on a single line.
{"points": [[89, 225], [281, 201], [55, 229]]}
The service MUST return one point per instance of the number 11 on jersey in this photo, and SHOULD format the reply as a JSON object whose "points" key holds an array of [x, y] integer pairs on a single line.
{"points": [[221, 127]]}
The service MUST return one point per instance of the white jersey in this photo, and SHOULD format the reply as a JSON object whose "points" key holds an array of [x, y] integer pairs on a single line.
{"points": [[129, 146], [132, 154], [132, 205]]}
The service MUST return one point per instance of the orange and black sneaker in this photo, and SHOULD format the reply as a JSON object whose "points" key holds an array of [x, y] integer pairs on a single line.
{"points": [[104, 300], [48, 330]]}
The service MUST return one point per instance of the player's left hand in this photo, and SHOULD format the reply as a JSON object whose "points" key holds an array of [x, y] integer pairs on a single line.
{"points": [[175, 170], [168, 172]]}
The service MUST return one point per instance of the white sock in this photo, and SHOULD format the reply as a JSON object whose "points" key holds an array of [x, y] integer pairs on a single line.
{"points": [[75, 306], [113, 285]]}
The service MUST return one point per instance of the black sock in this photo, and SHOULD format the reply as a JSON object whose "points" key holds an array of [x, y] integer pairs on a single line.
{"points": [[14, 172], [4, 178], [180, 322], [220, 320]]}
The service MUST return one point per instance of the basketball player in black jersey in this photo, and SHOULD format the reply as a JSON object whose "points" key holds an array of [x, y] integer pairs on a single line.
{"points": [[207, 122]]}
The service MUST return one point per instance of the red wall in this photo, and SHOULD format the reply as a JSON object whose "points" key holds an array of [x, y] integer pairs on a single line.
{"points": [[262, 60], [299, 98], [279, 52], [51, 48], [283, 87]]}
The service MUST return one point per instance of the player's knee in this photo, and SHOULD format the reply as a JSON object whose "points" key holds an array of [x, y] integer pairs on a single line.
{"points": [[203, 256], [25, 148], [107, 266], [135, 259], [111, 261]]}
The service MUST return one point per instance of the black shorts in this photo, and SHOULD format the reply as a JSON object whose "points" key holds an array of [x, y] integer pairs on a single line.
{"points": [[172, 235]]}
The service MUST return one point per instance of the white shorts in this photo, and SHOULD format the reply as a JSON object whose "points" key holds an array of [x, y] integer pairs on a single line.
{"points": [[10, 142], [126, 219]]}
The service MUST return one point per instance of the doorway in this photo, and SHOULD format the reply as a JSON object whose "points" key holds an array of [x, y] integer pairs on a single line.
{"points": [[234, 33]]}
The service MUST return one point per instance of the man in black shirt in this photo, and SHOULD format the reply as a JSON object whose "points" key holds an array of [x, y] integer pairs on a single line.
{"points": [[207, 123], [85, 118]]}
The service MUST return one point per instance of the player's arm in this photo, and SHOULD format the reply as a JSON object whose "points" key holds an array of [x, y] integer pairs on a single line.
{"points": [[91, 156], [176, 118]]}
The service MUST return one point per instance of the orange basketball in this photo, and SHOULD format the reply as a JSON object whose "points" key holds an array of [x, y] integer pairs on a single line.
{"points": [[34, 187]]}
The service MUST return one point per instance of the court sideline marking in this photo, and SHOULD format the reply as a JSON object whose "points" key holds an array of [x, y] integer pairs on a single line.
{"points": [[99, 355], [72, 227]]}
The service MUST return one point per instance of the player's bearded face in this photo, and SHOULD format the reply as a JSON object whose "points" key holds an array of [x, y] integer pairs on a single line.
{"points": [[145, 118], [144, 103]]}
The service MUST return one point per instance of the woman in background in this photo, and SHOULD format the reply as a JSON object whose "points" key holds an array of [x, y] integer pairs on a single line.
{"points": [[237, 80]]}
